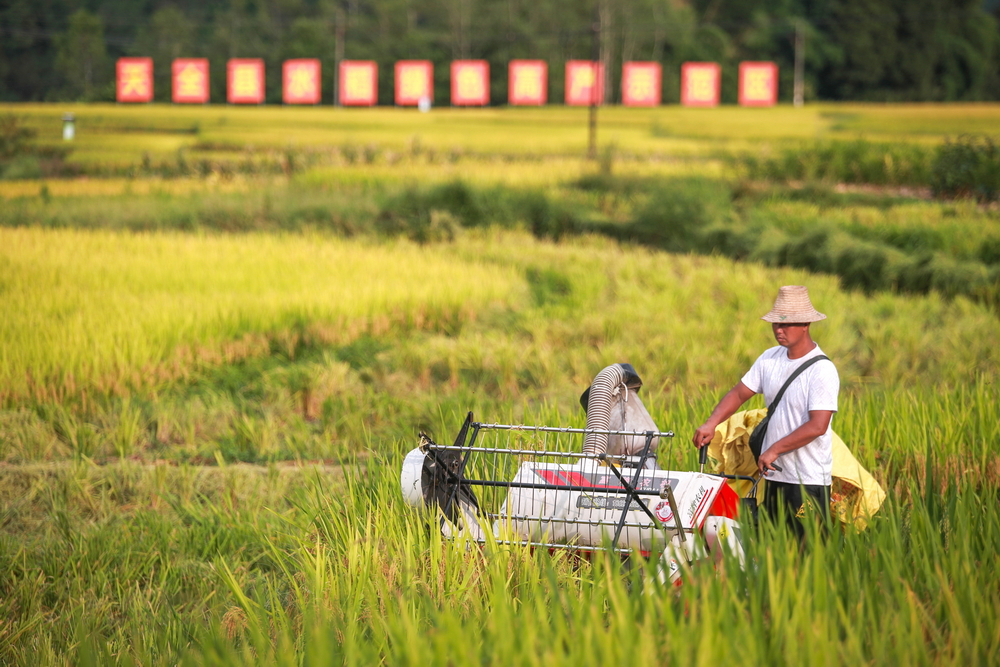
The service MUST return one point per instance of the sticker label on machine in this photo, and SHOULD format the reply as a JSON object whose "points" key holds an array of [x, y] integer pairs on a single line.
{"points": [[663, 512], [586, 502], [694, 510]]}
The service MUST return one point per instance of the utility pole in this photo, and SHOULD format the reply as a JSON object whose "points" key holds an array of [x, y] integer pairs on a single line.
{"points": [[338, 50], [595, 55], [798, 89]]}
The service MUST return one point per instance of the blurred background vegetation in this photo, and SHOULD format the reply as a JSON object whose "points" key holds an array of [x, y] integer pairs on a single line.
{"points": [[223, 326], [874, 50]]}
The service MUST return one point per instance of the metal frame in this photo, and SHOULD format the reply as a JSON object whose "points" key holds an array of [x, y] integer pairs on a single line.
{"points": [[628, 488]]}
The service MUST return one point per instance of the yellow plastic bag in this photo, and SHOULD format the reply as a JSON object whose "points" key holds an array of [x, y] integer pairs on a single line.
{"points": [[855, 495]]}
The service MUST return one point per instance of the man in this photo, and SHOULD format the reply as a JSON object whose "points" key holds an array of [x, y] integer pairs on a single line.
{"points": [[798, 437]]}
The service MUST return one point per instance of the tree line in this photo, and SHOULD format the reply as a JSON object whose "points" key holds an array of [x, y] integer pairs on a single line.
{"points": [[871, 50]]}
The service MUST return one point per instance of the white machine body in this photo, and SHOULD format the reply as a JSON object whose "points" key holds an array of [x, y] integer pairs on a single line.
{"points": [[590, 517]]}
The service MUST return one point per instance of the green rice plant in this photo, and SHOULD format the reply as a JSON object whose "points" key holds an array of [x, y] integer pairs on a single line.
{"points": [[128, 430], [21, 157], [195, 357], [254, 438], [28, 437], [967, 167], [342, 571], [78, 435], [678, 213], [858, 161], [570, 310], [174, 301], [345, 212]]}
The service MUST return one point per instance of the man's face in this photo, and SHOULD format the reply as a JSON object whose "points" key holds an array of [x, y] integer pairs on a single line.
{"points": [[789, 334]]}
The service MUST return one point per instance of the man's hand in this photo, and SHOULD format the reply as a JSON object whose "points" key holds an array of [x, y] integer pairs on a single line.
{"points": [[703, 435], [726, 408], [819, 422], [765, 461]]}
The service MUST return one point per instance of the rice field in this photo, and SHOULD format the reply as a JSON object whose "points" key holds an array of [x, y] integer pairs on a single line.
{"points": [[110, 134], [208, 385]]}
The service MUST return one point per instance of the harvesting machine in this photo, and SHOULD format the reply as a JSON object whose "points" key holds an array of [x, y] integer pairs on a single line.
{"points": [[541, 487]]}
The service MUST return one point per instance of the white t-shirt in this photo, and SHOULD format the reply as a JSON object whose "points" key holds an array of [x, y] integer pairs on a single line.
{"points": [[815, 389]]}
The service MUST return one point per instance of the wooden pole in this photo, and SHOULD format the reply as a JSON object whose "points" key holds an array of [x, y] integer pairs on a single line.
{"points": [[595, 55], [798, 90], [338, 51]]}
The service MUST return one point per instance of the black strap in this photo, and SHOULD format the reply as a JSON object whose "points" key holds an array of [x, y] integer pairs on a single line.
{"points": [[791, 378]]}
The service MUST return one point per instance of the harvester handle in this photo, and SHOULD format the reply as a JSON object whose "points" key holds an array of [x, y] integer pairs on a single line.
{"points": [[702, 456]]}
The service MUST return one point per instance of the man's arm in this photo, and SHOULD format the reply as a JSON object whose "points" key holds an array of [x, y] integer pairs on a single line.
{"points": [[727, 407], [819, 421]]}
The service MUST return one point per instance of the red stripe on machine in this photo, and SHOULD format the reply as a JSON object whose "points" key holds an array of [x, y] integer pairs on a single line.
{"points": [[570, 478], [700, 506]]}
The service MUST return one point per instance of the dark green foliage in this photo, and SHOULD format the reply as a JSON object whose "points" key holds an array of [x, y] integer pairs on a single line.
{"points": [[862, 266], [411, 215], [910, 240], [81, 58], [436, 213], [460, 200], [893, 50], [361, 353], [858, 161], [916, 275], [678, 214], [15, 139], [294, 209], [810, 251], [681, 215], [855, 49], [20, 157], [548, 286], [822, 194], [873, 267], [967, 167], [989, 251], [696, 215]]}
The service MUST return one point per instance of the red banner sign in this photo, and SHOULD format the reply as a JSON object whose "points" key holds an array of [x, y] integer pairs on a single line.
{"points": [[245, 81], [190, 80], [641, 84], [358, 83], [414, 80], [134, 80], [758, 84], [470, 83], [528, 82], [700, 84], [300, 81], [584, 82]]}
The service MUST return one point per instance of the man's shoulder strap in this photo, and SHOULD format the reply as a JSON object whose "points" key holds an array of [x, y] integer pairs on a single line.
{"points": [[791, 378]]}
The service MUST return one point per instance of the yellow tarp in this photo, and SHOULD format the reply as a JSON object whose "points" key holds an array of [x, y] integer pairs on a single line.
{"points": [[855, 494]]}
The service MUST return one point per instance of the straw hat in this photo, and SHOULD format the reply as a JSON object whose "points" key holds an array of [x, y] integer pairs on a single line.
{"points": [[793, 306]]}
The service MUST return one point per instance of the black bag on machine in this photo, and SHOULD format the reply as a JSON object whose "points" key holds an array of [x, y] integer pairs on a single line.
{"points": [[757, 436]]}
